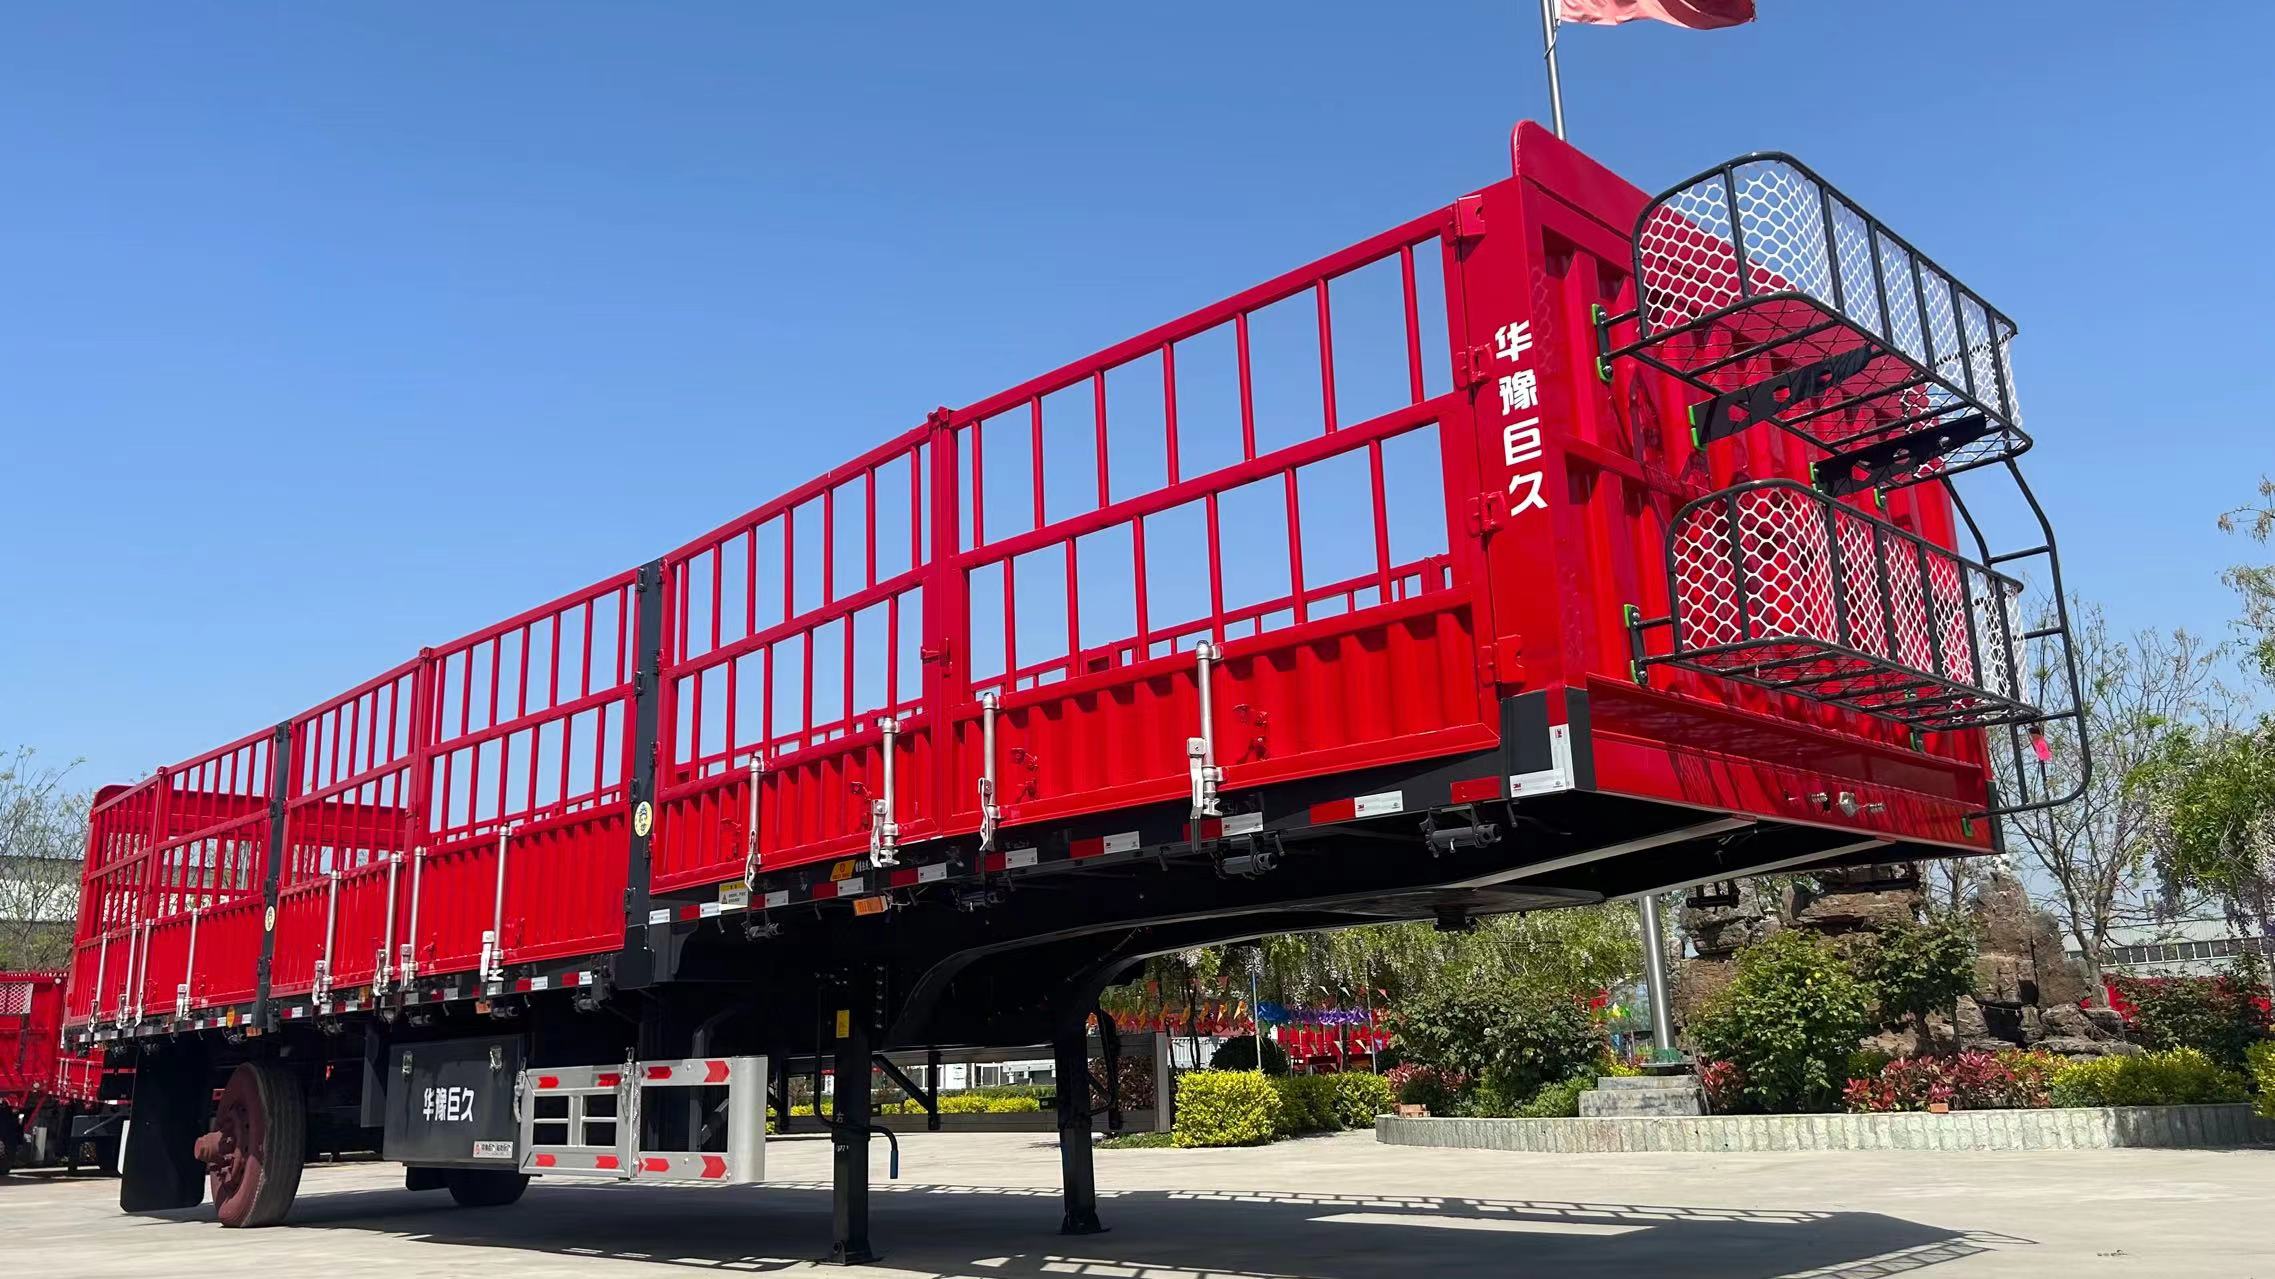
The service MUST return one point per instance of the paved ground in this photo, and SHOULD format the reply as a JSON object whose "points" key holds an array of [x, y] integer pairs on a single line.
{"points": [[985, 1205]]}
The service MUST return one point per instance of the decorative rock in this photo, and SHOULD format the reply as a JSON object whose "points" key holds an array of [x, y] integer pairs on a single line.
{"points": [[2068, 1021], [2073, 1047]]}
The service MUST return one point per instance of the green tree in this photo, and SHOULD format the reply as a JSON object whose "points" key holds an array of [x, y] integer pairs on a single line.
{"points": [[2215, 781], [1511, 1039], [1788, 1021], [1916, 969]]}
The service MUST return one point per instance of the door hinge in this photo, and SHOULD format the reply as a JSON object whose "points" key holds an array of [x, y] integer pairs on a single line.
{"points": [[1501, 662], [1472, 366], [1485, 513], [1469, 217]]}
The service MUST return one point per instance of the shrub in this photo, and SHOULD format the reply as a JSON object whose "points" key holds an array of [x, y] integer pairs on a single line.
{"points": [[1516, 1038], [2262, 1058], [1417, 1085], [2181, 1077], [1307, 1105], [978, 1103], [2033, 1073], [1969, 1081], [1787, 1021], [1225, 1108], [1720, 1081], [2218, 1016], [1359, 1097], [1557, 1101], [1912, 970], [1239, 1053]]}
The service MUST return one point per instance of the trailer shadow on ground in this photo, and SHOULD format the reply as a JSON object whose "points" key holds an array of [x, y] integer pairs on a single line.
{"points": [[1010, 1233]]}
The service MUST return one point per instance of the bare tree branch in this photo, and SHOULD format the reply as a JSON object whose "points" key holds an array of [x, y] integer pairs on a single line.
{"points": [[43, 835]]}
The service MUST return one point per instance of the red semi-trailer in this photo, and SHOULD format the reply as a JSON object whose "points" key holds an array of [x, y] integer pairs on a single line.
{"points": [[1561, 544], [52, 1108]]}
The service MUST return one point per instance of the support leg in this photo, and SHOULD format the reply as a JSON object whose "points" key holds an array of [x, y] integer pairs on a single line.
{"points": [[849, 1144], [1071, 1052]]}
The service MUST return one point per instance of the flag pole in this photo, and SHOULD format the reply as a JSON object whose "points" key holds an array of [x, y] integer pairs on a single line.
{"points": [[1555, 85]]}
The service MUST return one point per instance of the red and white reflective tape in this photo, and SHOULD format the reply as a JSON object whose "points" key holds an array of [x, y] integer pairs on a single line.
{"points": [[1380, 804]]}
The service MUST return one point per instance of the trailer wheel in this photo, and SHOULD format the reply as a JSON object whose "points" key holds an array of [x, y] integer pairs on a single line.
{"points": [[259, 1137], [484, 1187]]}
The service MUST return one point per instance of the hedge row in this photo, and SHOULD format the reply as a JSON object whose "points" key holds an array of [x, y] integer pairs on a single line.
{"points": [[1243, 1108], [953, 1104]]}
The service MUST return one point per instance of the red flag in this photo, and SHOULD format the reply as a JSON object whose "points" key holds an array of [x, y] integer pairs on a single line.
{"points": [[1698, 15]]}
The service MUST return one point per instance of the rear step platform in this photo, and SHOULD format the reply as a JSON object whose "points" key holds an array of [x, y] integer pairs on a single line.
{"points": [[1786, 303]]}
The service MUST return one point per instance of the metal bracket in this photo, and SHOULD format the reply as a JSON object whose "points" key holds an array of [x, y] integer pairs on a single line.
{"points": [[1734, 411], [990, 814], [1200, 752], [884, 832], [1895, 460]]}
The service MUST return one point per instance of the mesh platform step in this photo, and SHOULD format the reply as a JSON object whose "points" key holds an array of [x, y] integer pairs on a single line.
{"points": [[1788, 304], [1777, 585]]}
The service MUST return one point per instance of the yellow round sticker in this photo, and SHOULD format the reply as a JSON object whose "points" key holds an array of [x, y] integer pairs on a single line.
{"points": [[643, 819]]}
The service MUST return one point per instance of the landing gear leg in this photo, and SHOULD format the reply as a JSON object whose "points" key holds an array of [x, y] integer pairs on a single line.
{"points": [[1070, 1048], [849, 1116]]}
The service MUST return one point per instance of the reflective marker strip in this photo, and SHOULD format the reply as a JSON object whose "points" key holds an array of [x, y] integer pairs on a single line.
{"points": [[1379, 805]]}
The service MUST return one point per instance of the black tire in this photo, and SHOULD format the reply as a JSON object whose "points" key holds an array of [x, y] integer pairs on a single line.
{"points": [[158, 1169], [262, 1128], [484, 1187]]}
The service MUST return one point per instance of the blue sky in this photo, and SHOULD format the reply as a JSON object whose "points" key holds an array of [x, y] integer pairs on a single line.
{"points": [[331, 331]]}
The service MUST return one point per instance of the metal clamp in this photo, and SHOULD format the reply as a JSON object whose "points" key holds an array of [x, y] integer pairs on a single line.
{"points": [[990, 815], [379, 964], [884, 832], [1200, 752], [494, 941], [189, 972], [750, 822], [320, 988], [407, 962]]}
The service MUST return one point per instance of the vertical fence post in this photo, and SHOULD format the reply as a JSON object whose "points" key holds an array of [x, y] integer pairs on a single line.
{"points": [[636, 966], [943, 646], [280, 777]]}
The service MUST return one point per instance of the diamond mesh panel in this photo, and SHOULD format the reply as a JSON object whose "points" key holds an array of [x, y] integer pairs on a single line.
{"points": [[1778, 585], [1758, 269], [15, 998]]}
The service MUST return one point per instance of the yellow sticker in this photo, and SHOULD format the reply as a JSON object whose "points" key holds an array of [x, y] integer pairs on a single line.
{"points": [[643, 819], [841, 871], [844, 1022], [870, 905]]}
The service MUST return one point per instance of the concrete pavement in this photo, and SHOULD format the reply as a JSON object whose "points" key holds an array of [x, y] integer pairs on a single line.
{"points": [[1344, 1207]]}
